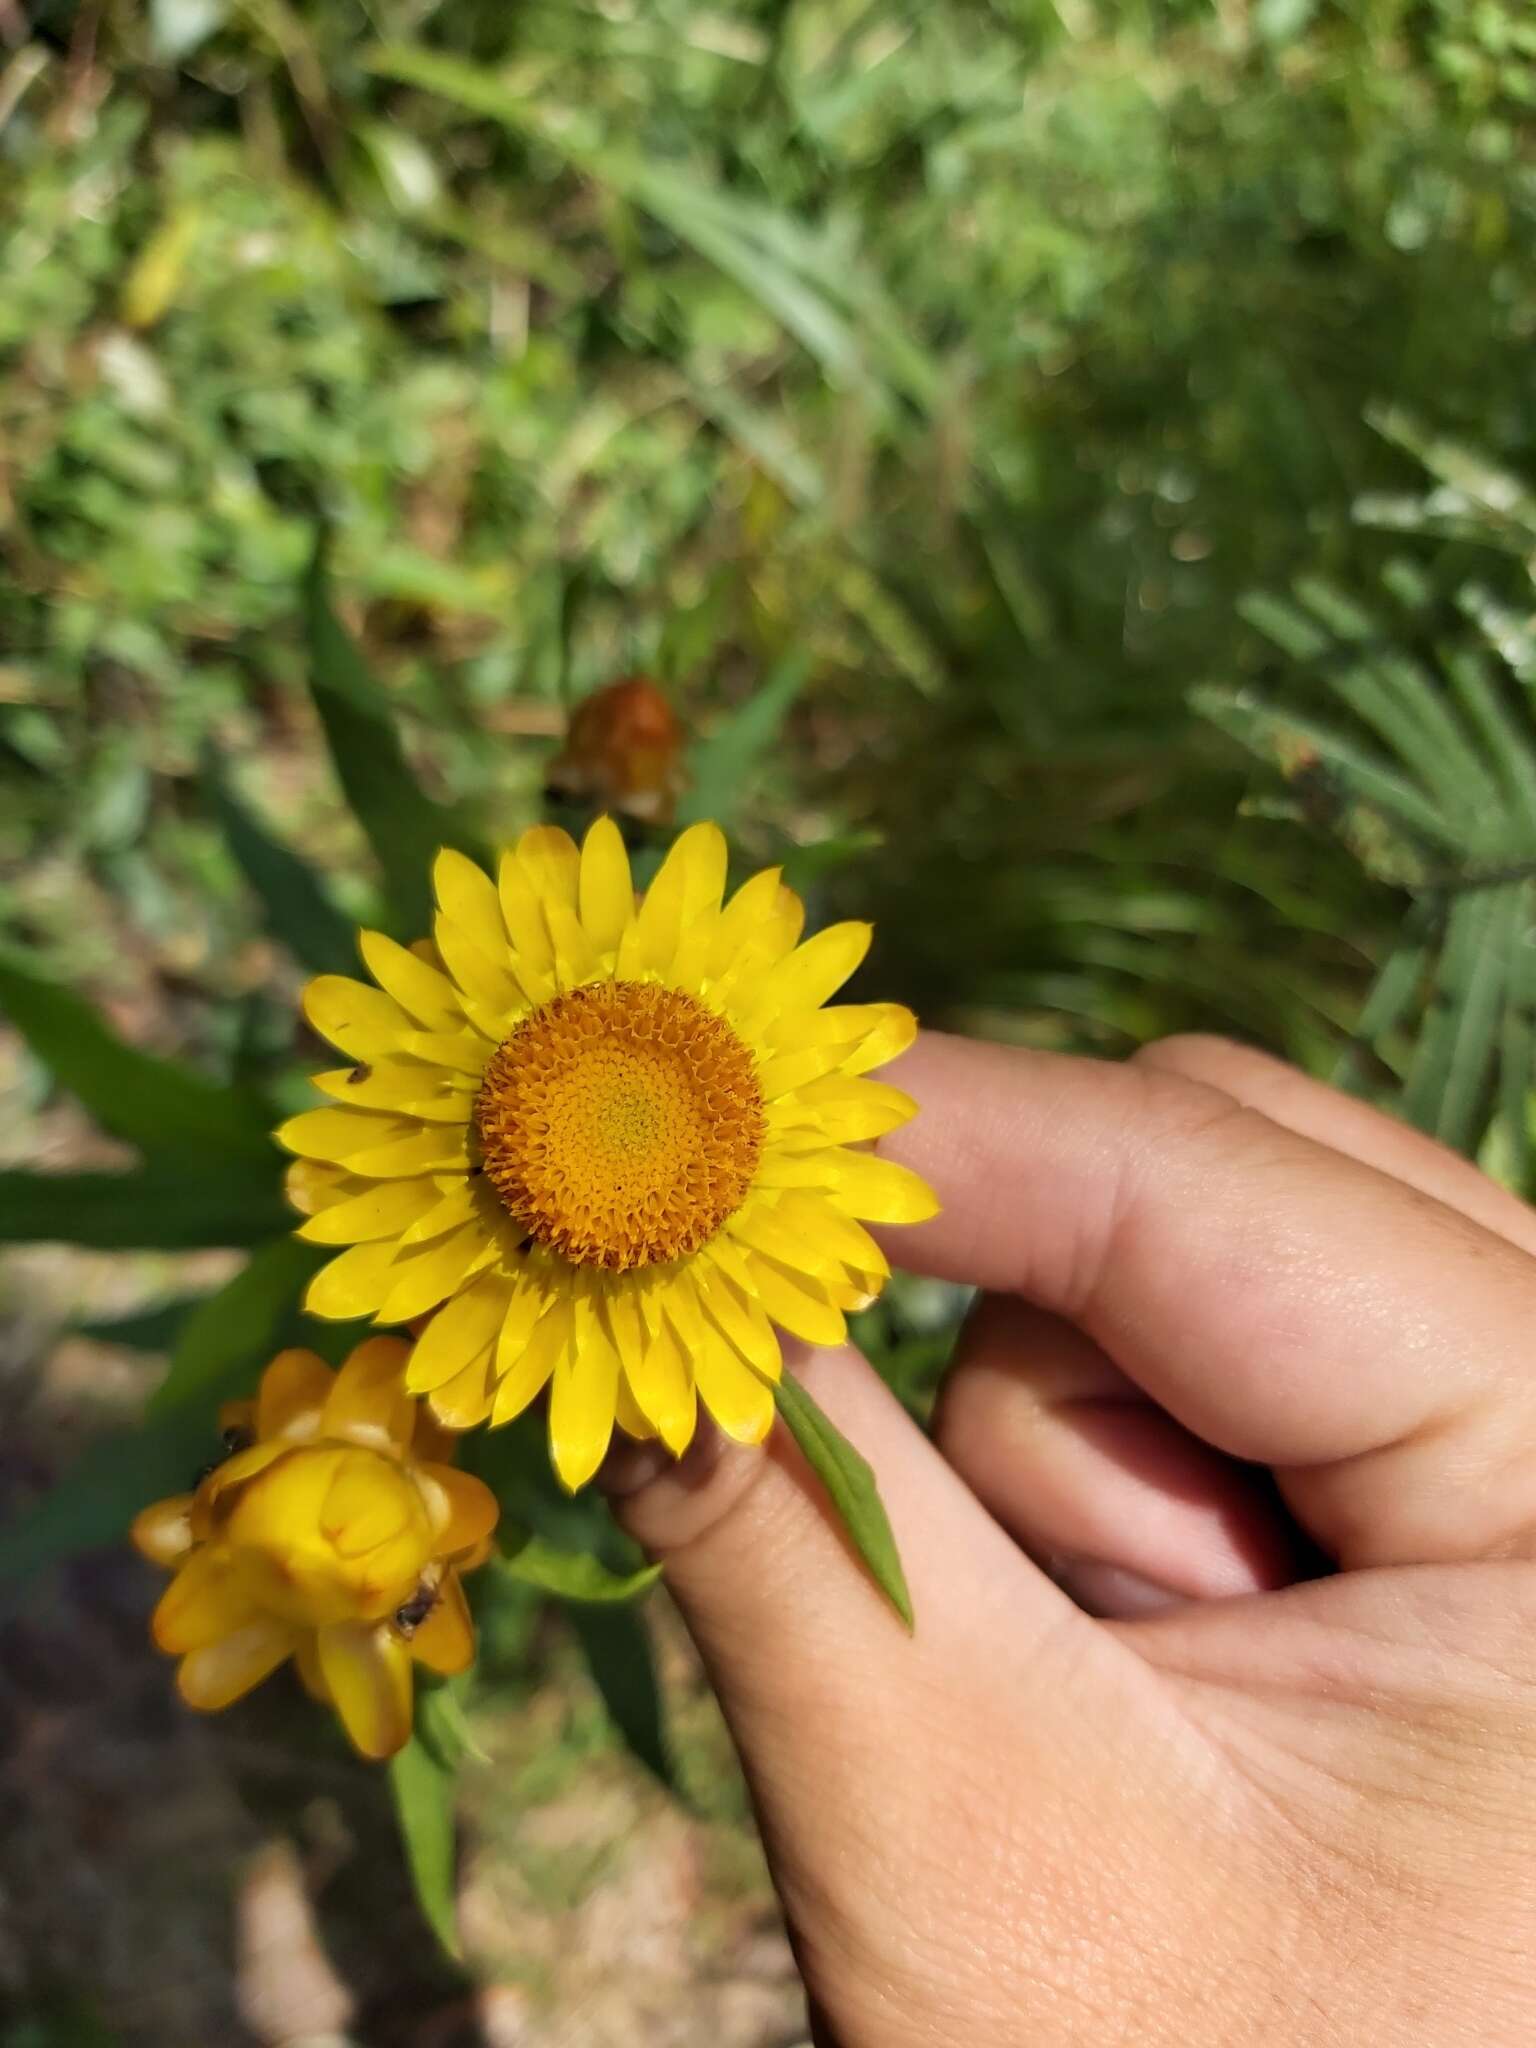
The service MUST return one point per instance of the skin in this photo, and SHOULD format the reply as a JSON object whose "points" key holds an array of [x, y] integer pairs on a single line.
{"points": [[1219, 1721]]}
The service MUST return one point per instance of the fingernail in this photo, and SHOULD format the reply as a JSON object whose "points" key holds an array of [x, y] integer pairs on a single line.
{"points": [[1110, 1592]]}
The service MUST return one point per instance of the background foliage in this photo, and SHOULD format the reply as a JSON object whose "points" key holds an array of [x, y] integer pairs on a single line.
{"points": [[1063, 459]]}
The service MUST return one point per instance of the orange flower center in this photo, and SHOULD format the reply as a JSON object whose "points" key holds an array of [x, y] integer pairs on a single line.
{"points": [[621, 1124]]}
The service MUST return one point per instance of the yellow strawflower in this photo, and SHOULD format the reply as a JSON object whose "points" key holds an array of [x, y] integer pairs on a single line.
{"points": [[611, 1142], [335, 1534]]}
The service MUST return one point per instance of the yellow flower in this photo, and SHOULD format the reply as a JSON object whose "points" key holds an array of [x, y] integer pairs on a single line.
{"points": [[335, 1533], [619, 1140]]}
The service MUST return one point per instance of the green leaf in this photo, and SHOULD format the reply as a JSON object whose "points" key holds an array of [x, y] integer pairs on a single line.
{"points": [[240, 1324], [93, 1502], [850, 1487], [154, 1209], [573, 1574], [156, 1104], [299, 913], [422, 1786], [403, 825], [723, 765], [1449, 1081], [617, 1647]]}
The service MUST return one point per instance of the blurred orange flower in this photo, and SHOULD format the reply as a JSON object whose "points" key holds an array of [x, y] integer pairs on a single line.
{"points": [[623, 751]]}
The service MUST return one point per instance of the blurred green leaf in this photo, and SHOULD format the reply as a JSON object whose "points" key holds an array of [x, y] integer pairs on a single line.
{"points": [[422, 1787], [851, 1488], [617, 1646], [403, 825], [722, 766], [156, 1104], [574, 1575], [239, 1325], [154, 1328], [158, 1208], [298, 911]]}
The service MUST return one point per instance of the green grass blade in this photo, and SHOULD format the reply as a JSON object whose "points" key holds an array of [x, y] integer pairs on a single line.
{"points": [[723, 766], [240, 1324], [1393, 995], [157, 1208], [574, 1574], [422, 1785], [617, 1646], [404, 826], [1449, 1079], [851, 1488], [162, 1107], [299, 913]]}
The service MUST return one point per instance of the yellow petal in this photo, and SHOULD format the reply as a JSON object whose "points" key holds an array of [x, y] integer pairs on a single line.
{"points": [[619, 1306], [533, 956], [204, 1602], [764, 1227], [337, 1134], [741, 1320], [689, 880], [819, 1220], [814, 971], [487, 991], [416, 987], [425, 1274], [752, 906], [605, 889], [525, 1376], [844, 1111], [739, 1401], [387, 1208], [357, 1019], [464, 1053], [218, 1674], [429, 1148], [576, 958], [367, 1401], [881, 1191], [430, 1093], [465, 1399], [163, 1531], [784, 1166], [313, 1184], [306, 1657], [459, 1331], [367, 1672], [892, 1029], [458, 1200], [662, 1383], [528, 1303], [549, 859], [353, 1284], [629, 1415], [795, 1302], [292, 1396], [466, 896], [445, 1641], [468, 1505], [581, 1403]]}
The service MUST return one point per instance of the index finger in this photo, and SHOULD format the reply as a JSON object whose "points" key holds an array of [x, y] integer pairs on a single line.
{"points": [[1290, 1305]]}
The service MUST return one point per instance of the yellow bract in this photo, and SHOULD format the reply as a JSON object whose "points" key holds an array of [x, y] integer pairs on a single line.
{"points": [[334, 1533], [611, 1142]]}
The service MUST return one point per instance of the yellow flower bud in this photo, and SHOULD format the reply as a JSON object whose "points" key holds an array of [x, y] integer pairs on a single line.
{"points": [[336, 1537]]}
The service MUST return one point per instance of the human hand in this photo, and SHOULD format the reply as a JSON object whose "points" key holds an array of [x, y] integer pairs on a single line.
{"points": [[1229, 1321]]}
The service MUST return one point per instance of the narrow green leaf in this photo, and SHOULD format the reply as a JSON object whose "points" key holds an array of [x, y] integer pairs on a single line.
{"points": [[1449, 1080], [299, 913], [157, 1104], [93, 1502], [403, 825], [240, 1324], [1395, 990], [574, 1575], [1517, 1044], [723, 765], [850, 1487], [156, 1208], [1509, 745], [617, 1647], [422, 1787]]}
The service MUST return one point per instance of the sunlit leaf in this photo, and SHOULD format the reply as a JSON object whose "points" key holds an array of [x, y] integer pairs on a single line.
{"points": [[851, 1488], [422, 1787], [574, 1575], [617, 1647], [298, 911], [157, 1208], [239, 1325]]}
